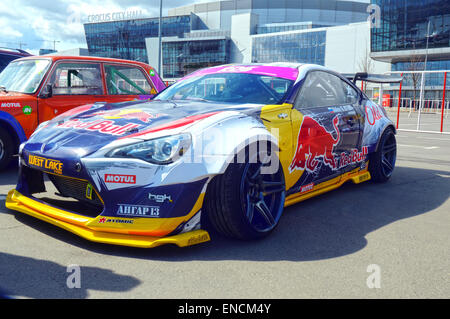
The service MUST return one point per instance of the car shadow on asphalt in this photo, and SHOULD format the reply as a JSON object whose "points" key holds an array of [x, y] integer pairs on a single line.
{"points": [[9, 176], [26, 275], [328, 226]]}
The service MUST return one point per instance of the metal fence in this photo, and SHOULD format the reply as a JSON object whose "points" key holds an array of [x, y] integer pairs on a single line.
{"points": [[419, 112]]}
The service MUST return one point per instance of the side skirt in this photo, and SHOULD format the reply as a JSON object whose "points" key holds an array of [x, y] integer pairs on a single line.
{"points": [[356, 176]]}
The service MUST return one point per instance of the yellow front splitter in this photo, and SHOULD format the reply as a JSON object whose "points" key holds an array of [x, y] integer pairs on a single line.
{"points": [[23, 204]]}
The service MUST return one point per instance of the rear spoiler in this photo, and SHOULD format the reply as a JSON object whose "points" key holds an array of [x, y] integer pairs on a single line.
{"points": [[373, 78]]}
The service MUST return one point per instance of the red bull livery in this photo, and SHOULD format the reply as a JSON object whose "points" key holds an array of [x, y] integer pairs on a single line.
{"points": [[222, 151]]}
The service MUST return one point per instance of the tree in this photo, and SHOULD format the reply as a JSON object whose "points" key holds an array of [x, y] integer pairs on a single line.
{"points": [[365, 63], [415, 65]]}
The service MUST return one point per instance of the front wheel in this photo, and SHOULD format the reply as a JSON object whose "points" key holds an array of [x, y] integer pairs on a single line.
{"points": [[382, 162], [6, 149], [246, 202]]}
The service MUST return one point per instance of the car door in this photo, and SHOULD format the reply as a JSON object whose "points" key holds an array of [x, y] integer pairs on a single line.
{"points": [[325, 131], [126, 83], [72, 84], [351, 153]]}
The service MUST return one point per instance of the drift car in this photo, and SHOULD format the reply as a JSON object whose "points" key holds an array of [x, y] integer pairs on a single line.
{"points": [[225, 149]]}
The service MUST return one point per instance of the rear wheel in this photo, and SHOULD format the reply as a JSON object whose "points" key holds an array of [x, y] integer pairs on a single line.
{"points": [[382, 162], [6, 148], [246, 202]]}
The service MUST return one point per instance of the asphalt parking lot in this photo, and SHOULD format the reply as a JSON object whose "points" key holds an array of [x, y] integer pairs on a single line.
{"points": [[326, 247], [429, 120]]}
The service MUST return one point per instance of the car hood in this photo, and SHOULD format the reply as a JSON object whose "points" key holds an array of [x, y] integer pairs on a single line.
{"points": [[7, 96], [84, 130]]}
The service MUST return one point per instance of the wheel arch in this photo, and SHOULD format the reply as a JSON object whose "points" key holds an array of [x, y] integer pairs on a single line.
{"points": [[13, 127], [388, 126], [225, 150]]}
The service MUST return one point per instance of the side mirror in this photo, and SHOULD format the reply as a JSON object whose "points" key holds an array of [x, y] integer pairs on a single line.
{"points": [[46, 92]]}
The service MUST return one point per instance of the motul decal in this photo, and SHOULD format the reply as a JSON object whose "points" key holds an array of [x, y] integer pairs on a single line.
{"points": [[101, 126], [315, 143], [120, 179], [10, 105]]}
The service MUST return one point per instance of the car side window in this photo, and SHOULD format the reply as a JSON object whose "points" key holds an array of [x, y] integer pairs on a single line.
{"points": [[127, 80], [77, 79], [320, 89], [351, 95]]}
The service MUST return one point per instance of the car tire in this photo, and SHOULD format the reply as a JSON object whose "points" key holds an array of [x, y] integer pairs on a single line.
{"points": [[382, 162], [243, 203], [6, 149]]}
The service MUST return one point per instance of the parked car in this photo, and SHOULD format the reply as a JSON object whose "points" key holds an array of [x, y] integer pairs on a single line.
{"points": [[7, 55], [225, 150], [36, 89]]}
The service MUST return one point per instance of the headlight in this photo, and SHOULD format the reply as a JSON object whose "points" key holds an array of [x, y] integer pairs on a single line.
{"points": [[164, 150]]}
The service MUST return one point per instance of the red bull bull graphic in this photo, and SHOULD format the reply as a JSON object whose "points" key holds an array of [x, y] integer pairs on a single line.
{"points": [[314, 143], [134, 114]]}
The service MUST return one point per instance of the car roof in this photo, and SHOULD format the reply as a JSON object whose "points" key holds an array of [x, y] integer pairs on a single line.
{"points": [[279, 69], [14, 52], [83, 58]]}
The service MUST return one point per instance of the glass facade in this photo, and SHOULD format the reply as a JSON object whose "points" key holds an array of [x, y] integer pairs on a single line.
{"points": [[404, 25], [305, 47], [321, 12], [431, 79], [126, 39], [283, 27], [183, 57]]}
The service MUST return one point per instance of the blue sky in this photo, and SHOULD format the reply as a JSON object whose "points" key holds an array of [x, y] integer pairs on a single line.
{"points": [[36, 23]]}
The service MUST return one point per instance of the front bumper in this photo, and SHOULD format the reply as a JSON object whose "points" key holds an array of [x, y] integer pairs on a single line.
{"points": [[96, 230]]}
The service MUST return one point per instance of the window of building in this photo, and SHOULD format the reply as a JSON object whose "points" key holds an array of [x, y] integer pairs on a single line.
{"points": [[296, 47]]}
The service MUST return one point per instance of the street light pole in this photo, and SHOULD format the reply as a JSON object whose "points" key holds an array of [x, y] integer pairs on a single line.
{"points": [[159, 36], [422, 85]]}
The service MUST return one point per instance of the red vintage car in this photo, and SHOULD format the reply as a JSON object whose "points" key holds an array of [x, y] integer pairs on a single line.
{"points": [[36, 89]]}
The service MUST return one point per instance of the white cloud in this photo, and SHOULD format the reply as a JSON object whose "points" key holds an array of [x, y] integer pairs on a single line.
{"points": [[8, 32], [39, 23]]}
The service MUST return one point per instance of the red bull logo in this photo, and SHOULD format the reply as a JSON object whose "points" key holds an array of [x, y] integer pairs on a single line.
{"points": [[102, 126], [315, 143], [354, 157]]}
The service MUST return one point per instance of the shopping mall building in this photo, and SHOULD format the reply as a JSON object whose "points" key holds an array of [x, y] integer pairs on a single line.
{"points": [[410, 32], [241, 31], [334, 33]]}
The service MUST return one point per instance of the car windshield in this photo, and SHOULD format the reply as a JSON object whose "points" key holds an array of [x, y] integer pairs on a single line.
{"points": [[229, 88], [24, 76]]}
